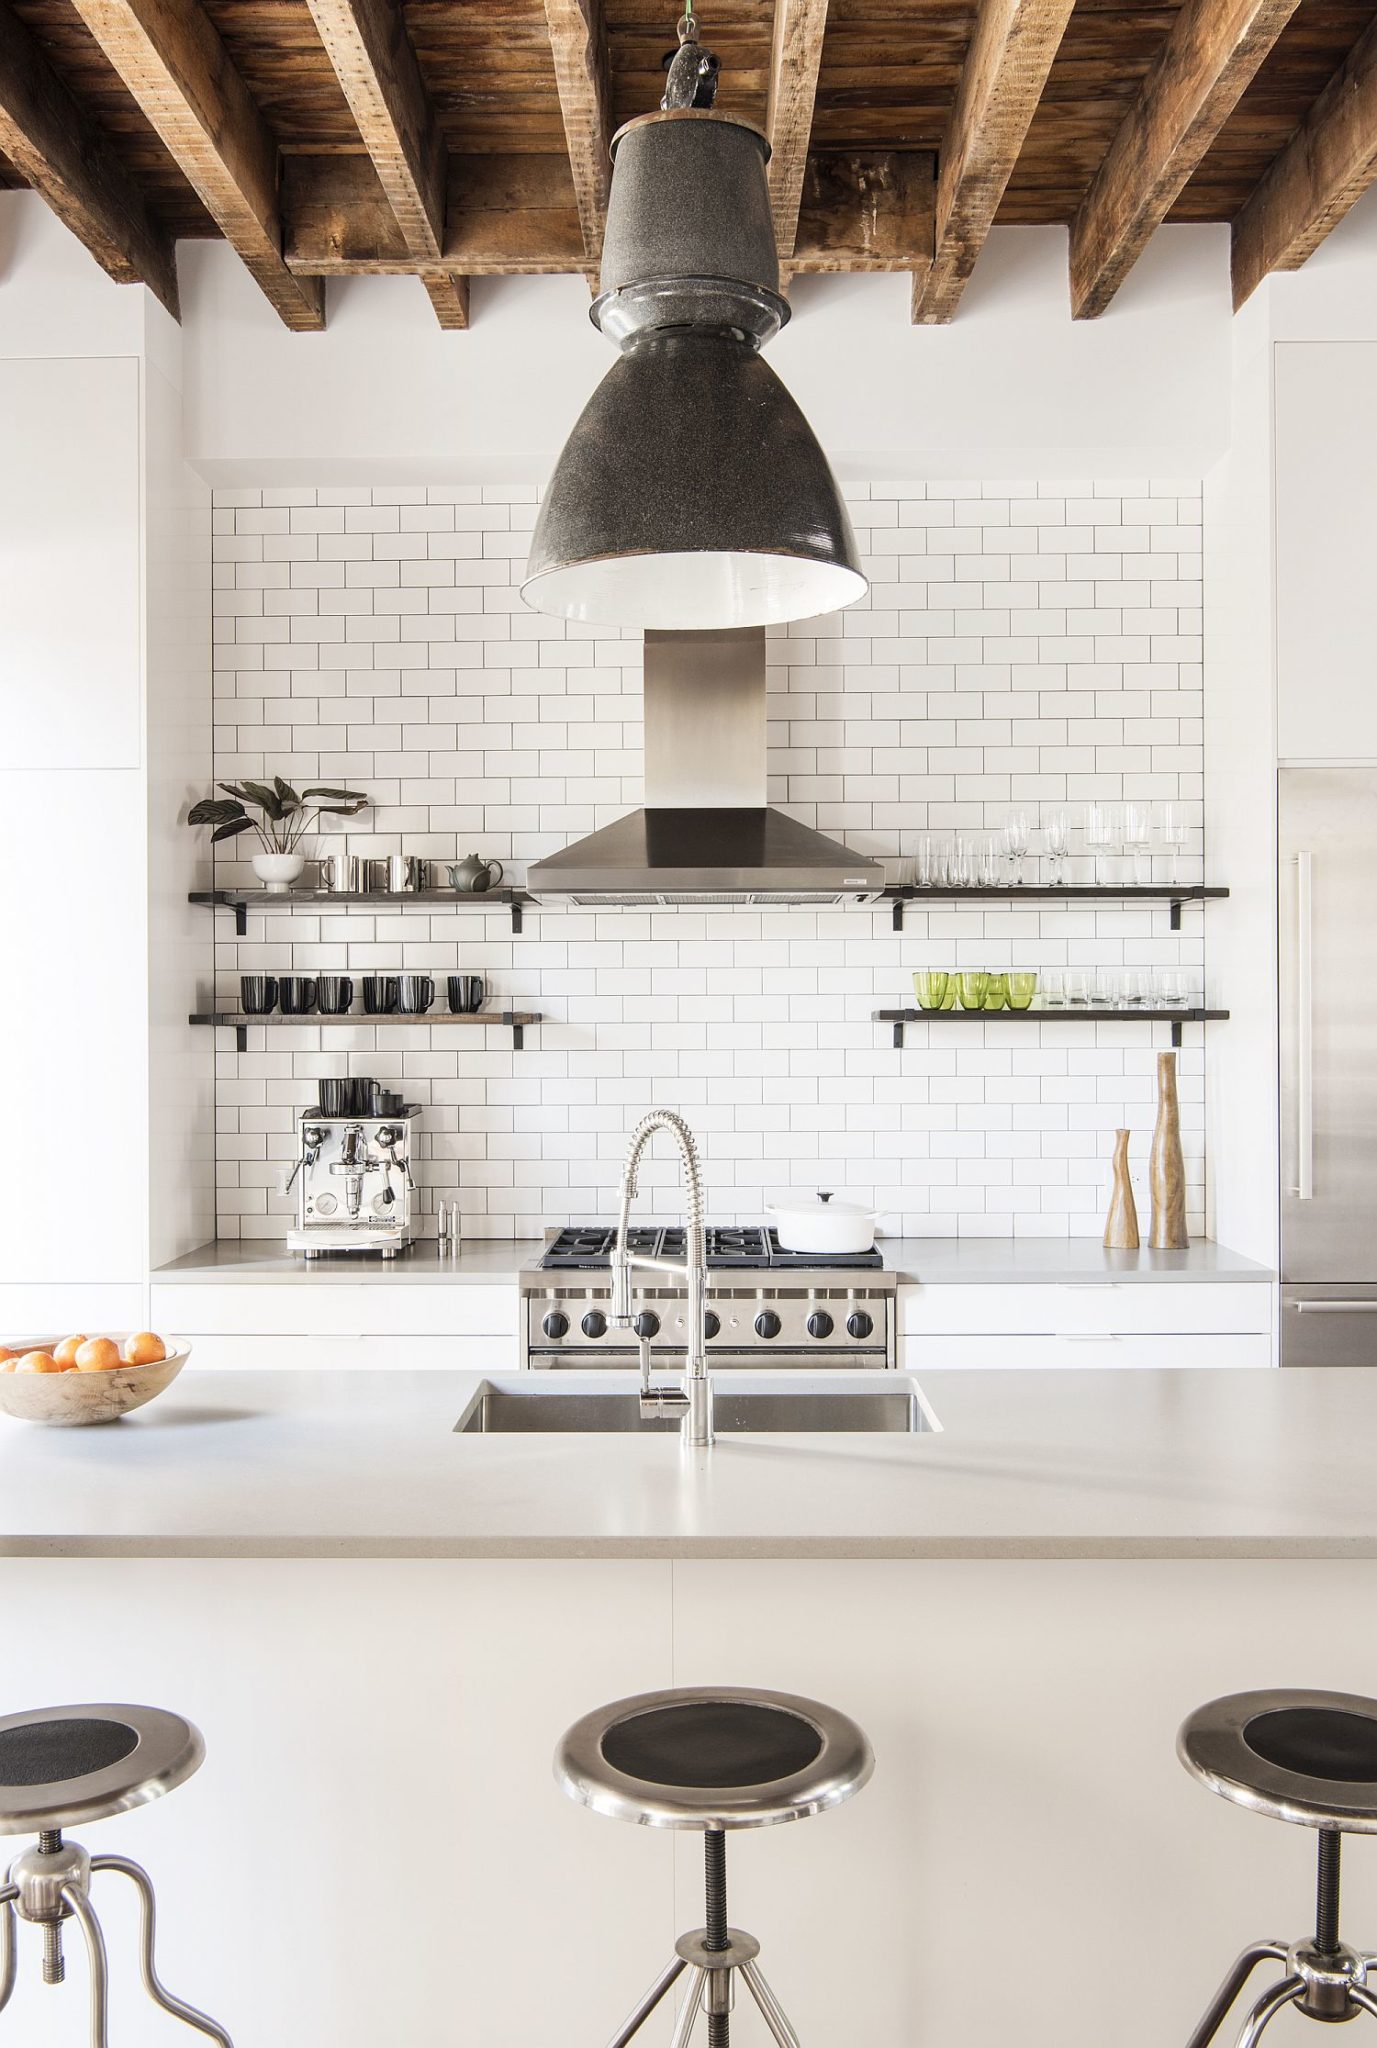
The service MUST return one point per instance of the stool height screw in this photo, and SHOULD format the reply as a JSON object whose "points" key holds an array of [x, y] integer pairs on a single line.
{"points": [[1327, 1892], [54, 1965], [716, 1938]]}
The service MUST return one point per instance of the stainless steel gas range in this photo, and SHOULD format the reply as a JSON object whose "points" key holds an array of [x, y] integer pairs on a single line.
{"points": [[765, 1306]]}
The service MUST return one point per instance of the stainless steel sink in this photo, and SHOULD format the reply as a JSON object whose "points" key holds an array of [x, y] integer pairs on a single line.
{"points": [[532, 1406]]}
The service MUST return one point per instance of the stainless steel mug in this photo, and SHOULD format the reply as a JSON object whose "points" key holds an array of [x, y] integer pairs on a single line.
{"points": [[341, 874], [405, 872]]}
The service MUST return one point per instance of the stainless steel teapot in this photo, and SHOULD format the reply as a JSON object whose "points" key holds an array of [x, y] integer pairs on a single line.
{"points": [[473, 876]]}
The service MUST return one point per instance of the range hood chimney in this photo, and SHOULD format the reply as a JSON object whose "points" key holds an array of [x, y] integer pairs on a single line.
{"points": [[706, 834]]}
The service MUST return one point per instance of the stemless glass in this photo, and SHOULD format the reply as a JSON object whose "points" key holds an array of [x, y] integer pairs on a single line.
{"points": [[988, 863], [1053, 989], [924, 862], [996, 992], [930, 987], [1077, 990], [1133, 989], [972, 990], [1171, 989], [1056, 831], [1022, 989], [1016, 844], [959, 864]]}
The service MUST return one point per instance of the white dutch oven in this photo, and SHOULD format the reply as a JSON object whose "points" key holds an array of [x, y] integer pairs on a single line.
{"points": [[818, 1223]]}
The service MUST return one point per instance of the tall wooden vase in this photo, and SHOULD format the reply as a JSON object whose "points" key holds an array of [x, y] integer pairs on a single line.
{"points": [[1166, 1168], [1121, 1224]]}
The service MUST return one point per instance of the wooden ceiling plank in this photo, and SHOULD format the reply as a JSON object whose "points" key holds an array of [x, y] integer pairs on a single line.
{"points": [[866, 210], [172, 62], [799, 29], [1306, 191], [57, 149], [1210, 57], [1011, 52], [517, 217], [368, 46], [578, 41]]}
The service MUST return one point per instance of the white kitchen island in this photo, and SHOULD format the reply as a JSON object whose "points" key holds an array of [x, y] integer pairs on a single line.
{"points": [[383, 1627]]}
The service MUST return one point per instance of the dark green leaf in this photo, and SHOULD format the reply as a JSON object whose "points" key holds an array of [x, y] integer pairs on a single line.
{"points": [[214, 811], [267, 799], [231, 830], [287, 794], [352, 796]]}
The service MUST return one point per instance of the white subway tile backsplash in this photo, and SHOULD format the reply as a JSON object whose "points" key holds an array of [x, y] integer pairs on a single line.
{"points": [[1029, 644]]}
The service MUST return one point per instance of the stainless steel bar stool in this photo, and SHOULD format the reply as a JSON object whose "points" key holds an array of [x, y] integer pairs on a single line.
{"points": [[59, 1768], [713, 1758], [1309, 1758]]}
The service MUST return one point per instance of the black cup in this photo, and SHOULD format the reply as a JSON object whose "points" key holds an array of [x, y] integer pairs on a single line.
{"points": [[257, 994], [465, 993], [415, 994], [383, 1101], [332, 1097], [297, 994], [334, 992], [379, 994], [358, 1095]]}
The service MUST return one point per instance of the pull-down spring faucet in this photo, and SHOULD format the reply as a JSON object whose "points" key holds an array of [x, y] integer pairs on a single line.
{"points": [[692, 1403]]}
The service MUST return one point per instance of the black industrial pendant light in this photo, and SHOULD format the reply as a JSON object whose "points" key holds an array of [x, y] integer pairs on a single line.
{"points": [[692, 493]]}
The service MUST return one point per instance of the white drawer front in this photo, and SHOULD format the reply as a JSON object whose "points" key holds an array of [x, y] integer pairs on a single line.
{"points": [[935, 1352], [268, 1353], [326, 1308], [1110, 1309]]}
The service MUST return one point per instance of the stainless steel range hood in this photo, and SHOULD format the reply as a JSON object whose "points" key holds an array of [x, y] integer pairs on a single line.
{"points": [[706, 834]]}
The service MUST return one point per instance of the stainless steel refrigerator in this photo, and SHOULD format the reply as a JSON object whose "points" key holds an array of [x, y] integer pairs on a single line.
{"points": [[1328, 832]]}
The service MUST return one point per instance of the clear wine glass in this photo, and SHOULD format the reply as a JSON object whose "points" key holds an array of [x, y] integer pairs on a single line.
{"points": [[1138, 842], [1056, 831], [1016, 844], [1173, 829], [1104, 835]]}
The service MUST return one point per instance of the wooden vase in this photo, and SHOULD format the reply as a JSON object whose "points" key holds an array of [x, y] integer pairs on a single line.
{"points": [[1121, 1224], [1166, 1168]]}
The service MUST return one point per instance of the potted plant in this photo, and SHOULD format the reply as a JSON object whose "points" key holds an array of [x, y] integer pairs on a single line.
{"points": [[285, 817]]}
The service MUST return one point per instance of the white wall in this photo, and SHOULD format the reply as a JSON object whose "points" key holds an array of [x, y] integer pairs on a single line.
{"points": [[1013, 388]]}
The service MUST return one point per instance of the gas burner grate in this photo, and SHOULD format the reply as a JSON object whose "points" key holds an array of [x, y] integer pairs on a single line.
{"points": [[588, 1248]]}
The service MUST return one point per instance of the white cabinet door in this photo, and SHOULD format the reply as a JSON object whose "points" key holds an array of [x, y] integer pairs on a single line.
{"points": [[1068, 1352], [1107, 1308], [70, 551], [1326, 528]]}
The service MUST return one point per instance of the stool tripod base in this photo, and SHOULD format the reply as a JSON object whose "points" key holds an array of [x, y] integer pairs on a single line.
{"points": [[50, 1885]]}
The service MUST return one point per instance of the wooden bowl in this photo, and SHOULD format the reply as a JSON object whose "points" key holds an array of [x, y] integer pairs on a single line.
{"points": [[71, 1400]]}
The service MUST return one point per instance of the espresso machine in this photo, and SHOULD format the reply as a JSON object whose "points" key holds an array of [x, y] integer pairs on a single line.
{"points": [[354, 1185]]}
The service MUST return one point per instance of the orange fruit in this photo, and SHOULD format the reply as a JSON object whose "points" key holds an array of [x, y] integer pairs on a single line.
{"points": [[9, 1361], [144, 1348], [98, 1354], [65, 1352], [37, 1361]]}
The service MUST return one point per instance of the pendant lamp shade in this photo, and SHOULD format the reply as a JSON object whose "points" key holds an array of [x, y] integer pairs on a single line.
{"points": [[692, 494]]}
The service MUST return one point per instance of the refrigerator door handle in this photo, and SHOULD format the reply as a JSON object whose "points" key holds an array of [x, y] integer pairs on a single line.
{"points": [[1305, 1024], [1334, 1308]]}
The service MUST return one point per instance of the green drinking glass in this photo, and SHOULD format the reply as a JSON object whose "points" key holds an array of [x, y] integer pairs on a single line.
{"points": [[972, 990], [1022, 989], [930, 987], [950, 1003], [996, 992]]}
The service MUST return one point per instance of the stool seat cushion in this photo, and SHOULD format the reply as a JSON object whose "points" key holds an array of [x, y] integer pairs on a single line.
{"points": [[713, 1757], [1306, 1757], [61, 1766]]}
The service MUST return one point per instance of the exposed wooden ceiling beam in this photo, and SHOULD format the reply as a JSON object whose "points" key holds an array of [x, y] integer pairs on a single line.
{"points": [[1011, 51], [505, 215], [367, 43], [578, 40], [173, 63], [56, 148], [866, 210], [1328, 164], [794, 61], [1210, 57]]}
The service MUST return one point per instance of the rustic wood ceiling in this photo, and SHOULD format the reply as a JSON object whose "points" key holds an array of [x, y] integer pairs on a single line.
{"points": [[448, 138]]}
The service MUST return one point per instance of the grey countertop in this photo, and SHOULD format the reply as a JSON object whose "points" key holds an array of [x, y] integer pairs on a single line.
{"points": [[1090, 1464], [935, 1261]]}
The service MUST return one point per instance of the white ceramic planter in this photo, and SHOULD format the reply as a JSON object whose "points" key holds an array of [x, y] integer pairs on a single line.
{"points": [[277, 871]]}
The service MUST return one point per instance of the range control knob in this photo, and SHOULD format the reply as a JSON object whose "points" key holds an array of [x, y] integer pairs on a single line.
{"points": [[556, 1324], [711, 1324], [594, 1323], [767, 1323], [819, 1324], [647, 1323], [859, 1324]]}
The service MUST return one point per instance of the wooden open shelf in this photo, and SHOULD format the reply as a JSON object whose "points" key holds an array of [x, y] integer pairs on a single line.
{"points": [[1172, 893], [514, 1021], [242, 901], [1069, 1013]]}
